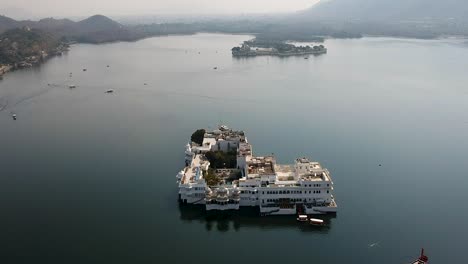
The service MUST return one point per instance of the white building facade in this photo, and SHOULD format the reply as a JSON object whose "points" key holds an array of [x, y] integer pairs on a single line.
{"points": [[301, 188]]}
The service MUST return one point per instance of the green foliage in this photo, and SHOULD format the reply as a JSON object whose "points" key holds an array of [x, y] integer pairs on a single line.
{"points": [[280, 46], [17, 44], [198, 136], [268, 43], [220, 159], [211, 178]]}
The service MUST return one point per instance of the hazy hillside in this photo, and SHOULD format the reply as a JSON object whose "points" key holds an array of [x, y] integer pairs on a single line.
{"points": [[17, 44], [8, 23], [382, 10], [98, 23], [95, 29], [328, 18], [402, 18], [99, 28]]}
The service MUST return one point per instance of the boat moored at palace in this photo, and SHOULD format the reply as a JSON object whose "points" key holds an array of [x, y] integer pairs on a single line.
{"points": [[222, 174], [316, 222]]}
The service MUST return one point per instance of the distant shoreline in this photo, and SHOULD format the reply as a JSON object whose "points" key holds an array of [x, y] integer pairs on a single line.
{"points": [[5, 69], [25, 48]]}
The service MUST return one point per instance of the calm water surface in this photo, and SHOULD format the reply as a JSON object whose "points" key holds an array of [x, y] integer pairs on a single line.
{"points": [[89, 177]]}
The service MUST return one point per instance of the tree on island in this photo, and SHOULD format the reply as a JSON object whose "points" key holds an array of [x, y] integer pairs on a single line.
{"points": [[222, 160], [198, 136], [211, 178]]}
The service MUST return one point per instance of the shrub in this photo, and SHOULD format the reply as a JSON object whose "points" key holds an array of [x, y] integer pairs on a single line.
{"points": [[220, 159], [198, 136], [211, 178]]}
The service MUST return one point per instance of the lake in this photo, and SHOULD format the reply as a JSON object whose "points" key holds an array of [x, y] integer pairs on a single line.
{"points": [[89, 177]]}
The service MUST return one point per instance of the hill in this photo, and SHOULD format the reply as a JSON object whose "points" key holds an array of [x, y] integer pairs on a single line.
{"points": [[403, 18], [95, 29], [98, 28], [98, 23], [26, 46], [385, 10], [8, 23]]}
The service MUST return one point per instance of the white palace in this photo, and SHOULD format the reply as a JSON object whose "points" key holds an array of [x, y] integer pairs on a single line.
{"points": [[304, 187]]}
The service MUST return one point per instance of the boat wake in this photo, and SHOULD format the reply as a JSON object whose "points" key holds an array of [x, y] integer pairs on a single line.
{"points": [[3, 104], [32, 96], [373, 244]]}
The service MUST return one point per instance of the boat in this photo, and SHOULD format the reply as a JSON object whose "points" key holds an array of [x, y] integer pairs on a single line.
{"points": [[423, 259], [215, 68], [223, 128], [71, 86], [316, 222], [302, 218], [84, 69], [13, 116], [110, 91]]}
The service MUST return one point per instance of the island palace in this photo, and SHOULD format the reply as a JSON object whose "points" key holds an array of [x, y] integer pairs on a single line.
{"points": [[221, 173]]}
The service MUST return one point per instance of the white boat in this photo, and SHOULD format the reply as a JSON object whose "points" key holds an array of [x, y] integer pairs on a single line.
{"points": [[316, 222], [223, 128], [302, 218], [13, 116], [71, 86]]}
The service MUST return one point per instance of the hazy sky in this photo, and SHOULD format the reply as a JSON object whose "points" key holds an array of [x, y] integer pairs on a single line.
{"points": [[132, 7]]}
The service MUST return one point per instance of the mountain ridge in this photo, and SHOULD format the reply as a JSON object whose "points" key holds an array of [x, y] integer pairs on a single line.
{"points": [[384, 10], [94, 29]]}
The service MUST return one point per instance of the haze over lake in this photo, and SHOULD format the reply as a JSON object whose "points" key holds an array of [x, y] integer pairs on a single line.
{"points": [[90, 176]]}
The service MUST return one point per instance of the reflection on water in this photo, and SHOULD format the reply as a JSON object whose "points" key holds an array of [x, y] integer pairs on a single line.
{"points": [[249, 217]]}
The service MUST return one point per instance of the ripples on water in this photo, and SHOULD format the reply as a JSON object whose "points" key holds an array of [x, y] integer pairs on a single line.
{"points": [[90, 176]]}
